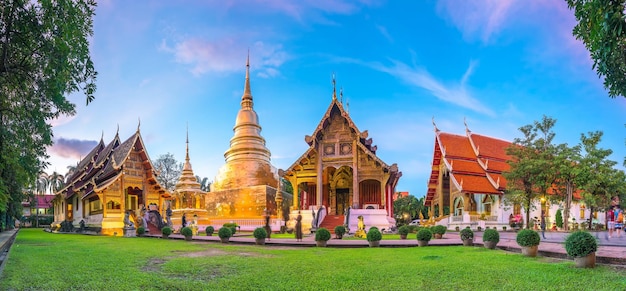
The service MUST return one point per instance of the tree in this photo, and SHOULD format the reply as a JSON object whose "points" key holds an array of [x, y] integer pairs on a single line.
{"points": [[601, 27], [530, 174], [567, 171], [408, 208], [559, 218], [44, 56], [205, 184], [56, 181], [168, 170]]}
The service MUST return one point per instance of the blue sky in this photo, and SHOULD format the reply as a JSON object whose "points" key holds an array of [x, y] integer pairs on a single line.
{"points": [[497, 64]]}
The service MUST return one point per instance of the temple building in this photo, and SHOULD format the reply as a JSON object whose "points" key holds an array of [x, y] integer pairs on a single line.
{"points": [[111, 180], [246, 185], [188, 199], [341, 172], [466, 185]]}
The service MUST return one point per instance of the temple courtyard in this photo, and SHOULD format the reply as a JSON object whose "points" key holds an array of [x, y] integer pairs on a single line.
{"points": [[46, 261]]}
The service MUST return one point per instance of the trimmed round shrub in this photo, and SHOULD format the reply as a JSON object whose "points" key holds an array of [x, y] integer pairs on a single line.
{"points": [[580, 244], [166, 230], [141, 230], [374, 227], [340, 230], [374, 234], [491, 235], [260, 233], [322, 234], [424, 234], [186, 231], [404, 230], [233, 227], [438, 229], [224, 232], [209, 230], [528, 238], [466, 233]]}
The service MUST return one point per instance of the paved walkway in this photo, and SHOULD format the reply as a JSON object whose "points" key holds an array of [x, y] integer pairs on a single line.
{"points": [[610, 250], [6, 240]]}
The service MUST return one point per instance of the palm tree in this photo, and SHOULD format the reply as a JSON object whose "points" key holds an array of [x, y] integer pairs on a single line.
{"points": [[70, 172], [41, 186], [56, 182]]}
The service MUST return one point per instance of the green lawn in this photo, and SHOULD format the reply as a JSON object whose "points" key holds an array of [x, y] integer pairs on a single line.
{"points": [[43, 261]]}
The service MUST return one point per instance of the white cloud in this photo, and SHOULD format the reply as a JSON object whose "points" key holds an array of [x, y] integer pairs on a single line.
{"points": [[478, 19], [227, 55]]}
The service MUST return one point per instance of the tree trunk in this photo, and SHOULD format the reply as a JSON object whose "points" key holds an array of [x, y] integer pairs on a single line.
{"points": [[569, 190], [528, 213], [591, 209]]}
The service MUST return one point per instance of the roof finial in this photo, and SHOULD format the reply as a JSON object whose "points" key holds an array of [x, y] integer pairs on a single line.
{"points": [[434, 125], [334, 88], [118, 129], [466, 128], [138, 123], [102, 136], [347, 106], [341, 94], [187, 150], [246, 99]]}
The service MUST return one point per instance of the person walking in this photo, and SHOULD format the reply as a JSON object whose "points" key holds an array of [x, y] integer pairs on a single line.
{"points": [[619, 220], [610, 221], [543, 224], [267, 227], [184, 220]]}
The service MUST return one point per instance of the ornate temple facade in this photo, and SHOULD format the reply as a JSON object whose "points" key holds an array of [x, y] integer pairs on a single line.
{"points": [[340, 171], [466, 186], [111, 180], [246, 185]]}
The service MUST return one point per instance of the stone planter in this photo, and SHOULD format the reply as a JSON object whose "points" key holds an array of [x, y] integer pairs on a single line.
{"points": [[403, 236], [490, 244], [530, 251], [468, 242], [259, 241], [321, 243], [188, 238], [224, 240], [437, 236], [422, 243], [374, 244], [588, 261]]}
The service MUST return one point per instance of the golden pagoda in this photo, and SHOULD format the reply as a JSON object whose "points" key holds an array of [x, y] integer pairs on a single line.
{"points": [[246, 185], [188, 198]]}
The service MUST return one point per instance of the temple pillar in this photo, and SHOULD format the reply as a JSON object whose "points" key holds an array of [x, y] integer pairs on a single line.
{"points": [[355, 176], [319, 181]]}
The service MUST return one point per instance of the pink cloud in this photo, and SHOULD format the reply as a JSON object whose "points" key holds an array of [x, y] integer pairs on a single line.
{"points": [[71, 148]]}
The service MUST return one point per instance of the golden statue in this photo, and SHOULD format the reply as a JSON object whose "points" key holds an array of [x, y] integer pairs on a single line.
{"points": [[360, 232]]}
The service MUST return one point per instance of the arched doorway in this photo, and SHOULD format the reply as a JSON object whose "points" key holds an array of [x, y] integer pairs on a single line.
{"points": [[458, 206], [341, 187]]}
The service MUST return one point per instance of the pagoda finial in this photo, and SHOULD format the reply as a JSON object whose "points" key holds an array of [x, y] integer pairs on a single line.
{"points": [[246, 99], [466, 128], [187, 150], [435, 125], [334, 88]]}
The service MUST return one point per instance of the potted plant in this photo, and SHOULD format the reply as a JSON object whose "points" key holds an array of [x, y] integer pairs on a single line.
{"points": [[140, 231], [166, 231], [403, 231], [491, 237], [467, 236], [438, 231], [224, 233], [529, 240], [259, 235], [582, 246], [187, 232], [322, 235], [374, 236], [209, 230], [233, 227], [424, 235], [340, 230]]}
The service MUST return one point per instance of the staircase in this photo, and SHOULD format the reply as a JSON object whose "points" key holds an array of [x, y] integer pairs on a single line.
{"points": [[153, 229], [330, 221]]}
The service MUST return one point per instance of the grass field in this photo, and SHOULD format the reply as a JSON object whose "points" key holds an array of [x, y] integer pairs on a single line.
{"points": [[44, 261]]}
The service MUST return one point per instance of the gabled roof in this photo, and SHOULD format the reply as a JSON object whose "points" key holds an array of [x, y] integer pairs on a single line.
{"points": [[475, 163]]}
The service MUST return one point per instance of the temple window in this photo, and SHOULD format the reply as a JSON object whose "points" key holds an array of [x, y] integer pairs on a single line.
{"points": [[113, 205], [95, 205]]}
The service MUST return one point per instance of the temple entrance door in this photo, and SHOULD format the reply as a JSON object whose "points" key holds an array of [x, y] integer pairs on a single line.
{"points": [[342, 200]]}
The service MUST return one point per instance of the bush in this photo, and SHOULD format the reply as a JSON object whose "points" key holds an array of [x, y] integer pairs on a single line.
{"points": [[580, 244], [374, 234], [260, 233], [467, 233], [224, 232], [424, 234], [438, 229], [340, 230], [491, 235], [559, 218], [141, 230], [186, 231], [413, 228], [209, 230], [528, 238], [480, 228], [322, 234], [374, 227], [504, 228], [457, 228], [166, 230], [404, 230], [233, 227]]}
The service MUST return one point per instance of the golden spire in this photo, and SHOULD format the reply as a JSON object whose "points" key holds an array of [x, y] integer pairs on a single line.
{"points": [[187, 165], [246, 99]]}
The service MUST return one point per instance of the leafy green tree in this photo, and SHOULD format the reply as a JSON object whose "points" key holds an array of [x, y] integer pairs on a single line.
{"points": [[44, 56], [559, 218], [408, 208], [601, 27], [567, 170], [530, 173], [168, 170]]}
